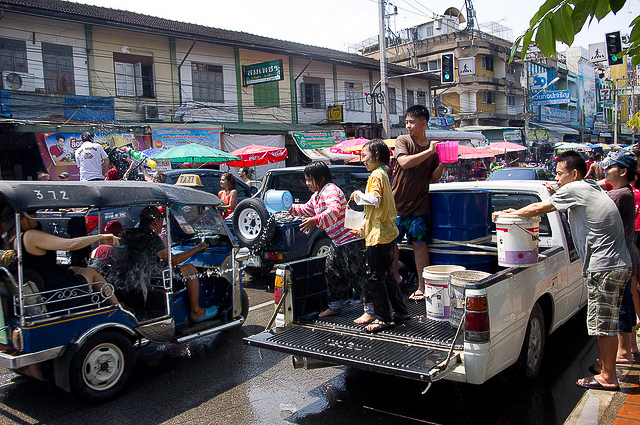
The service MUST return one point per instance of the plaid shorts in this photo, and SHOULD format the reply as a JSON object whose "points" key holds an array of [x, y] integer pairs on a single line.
{"points": [[605, 291]]}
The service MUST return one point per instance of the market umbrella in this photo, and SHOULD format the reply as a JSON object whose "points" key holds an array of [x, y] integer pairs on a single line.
{"points": [[343, 146], [507, 147], [252, 155], [566, 146], [194, 153], [357, 149], [469, 152]]}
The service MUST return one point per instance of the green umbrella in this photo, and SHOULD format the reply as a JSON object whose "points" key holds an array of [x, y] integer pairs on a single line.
{"points": [[194, 153]]}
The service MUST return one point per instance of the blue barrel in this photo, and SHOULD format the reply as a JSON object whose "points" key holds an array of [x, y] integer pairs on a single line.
{"points": [[461, 217]]}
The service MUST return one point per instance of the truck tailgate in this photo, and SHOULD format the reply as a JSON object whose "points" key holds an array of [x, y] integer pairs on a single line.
{"points": [[412, 349]]}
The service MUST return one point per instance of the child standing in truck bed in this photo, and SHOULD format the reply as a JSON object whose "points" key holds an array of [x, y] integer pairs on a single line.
{"points": [[380, 233], [345, 263]]}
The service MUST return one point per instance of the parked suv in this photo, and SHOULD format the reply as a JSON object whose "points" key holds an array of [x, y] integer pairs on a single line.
{"points": [[277, 238]]}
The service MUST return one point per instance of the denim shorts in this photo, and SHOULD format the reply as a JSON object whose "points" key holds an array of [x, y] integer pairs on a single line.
{"points": [[416, 228]]}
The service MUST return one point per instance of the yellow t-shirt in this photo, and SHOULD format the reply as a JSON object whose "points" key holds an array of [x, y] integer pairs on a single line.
{"points": [[379, 226]]}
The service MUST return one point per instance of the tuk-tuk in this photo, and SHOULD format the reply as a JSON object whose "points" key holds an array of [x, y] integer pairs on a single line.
{"points": [[73, 335]]}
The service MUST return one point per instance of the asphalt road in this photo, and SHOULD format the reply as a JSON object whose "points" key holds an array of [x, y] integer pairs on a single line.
{"points": [[218, 380]]}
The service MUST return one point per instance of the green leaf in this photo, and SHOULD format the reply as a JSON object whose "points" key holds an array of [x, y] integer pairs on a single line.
{"points": [[545, 39], [562, 25], [579, 15], [635, 33], [616, 5], [544, 9], [514, 47], [602, 9], [526, 40]]}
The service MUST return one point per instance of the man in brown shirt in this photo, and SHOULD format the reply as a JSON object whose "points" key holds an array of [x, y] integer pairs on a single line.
{"points": [[416, 166]]}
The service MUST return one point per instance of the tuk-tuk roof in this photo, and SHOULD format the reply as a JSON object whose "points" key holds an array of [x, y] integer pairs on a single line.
{"points": [[31, 195]]}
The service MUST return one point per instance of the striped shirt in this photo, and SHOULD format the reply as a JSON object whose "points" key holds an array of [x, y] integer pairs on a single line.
{"points": [[327, 209]]}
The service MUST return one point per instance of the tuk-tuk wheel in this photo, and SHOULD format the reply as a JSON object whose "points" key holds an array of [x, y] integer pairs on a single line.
{"points": [[102, 367]]}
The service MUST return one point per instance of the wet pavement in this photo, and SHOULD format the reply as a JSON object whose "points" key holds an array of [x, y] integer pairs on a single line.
{"points": [[218, 380]]}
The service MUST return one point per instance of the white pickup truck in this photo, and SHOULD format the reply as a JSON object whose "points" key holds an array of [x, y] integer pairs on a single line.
{"points": [[507, 316]]}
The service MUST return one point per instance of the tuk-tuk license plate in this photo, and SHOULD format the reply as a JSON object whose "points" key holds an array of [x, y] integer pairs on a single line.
{"points": [[253, 261]]}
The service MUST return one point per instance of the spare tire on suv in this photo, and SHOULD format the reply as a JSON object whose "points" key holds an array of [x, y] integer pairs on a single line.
{"points": [[252, 224]]}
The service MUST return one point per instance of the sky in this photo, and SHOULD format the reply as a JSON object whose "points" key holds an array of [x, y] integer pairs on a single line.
{"points": [[338, 24]]}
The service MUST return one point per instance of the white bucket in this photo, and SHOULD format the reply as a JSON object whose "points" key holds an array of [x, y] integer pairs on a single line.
{"points": [[457, 283], [517, 240], [436, 290], [353, 219]]}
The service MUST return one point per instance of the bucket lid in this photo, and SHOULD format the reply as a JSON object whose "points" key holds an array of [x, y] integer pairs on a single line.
{"points": [[440, 271], [462, 277], [516, 219]]}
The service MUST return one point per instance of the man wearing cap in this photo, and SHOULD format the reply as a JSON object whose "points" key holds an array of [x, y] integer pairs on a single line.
{"points": [[599, 238], [91, 158], [620, 170], [64, 176], [145, 243]]}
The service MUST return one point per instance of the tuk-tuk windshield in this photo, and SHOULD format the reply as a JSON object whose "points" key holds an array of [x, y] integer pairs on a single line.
{"points": [[194, 219]]}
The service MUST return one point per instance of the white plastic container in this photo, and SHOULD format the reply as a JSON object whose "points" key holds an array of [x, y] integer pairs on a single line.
{"points": [[517, 240], [457, 283], [353, 219], [277, 200], [436, 290]]}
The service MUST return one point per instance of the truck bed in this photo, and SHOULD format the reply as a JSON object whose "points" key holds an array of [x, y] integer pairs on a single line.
{"points": [[411, 349]]}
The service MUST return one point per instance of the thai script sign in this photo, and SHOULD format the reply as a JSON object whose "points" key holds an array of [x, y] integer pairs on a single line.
{"points": [[554, 97], [263, 72], [554, 115], [165, 138]]}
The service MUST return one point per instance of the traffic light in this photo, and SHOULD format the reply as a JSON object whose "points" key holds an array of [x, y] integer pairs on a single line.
{"points": [[614, 47], [446, 68]]}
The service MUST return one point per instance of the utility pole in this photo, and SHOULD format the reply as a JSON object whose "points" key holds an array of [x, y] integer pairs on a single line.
{"points": [[526, 104], [615, 114], [384, 78]]}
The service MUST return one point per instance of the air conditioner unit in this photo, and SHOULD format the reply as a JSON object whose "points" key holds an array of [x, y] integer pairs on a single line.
{"points": [[153, 113], [19, 81]]}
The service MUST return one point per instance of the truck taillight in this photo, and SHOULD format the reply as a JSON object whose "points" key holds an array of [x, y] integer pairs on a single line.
{"points": [[477, 319], [275, 256], [278, 285], [92, 222]]}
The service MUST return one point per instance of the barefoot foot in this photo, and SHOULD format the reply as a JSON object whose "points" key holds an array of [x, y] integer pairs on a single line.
{"points": [[364, 319]]}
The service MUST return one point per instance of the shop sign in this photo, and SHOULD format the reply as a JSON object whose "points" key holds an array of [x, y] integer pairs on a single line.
{"points": [[335, 113], [168, 137], [512, 135], [554, 115], [553, 97], [318, 139], [262, 72]]}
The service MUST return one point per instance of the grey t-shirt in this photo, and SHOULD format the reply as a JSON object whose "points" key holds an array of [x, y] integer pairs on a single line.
{"points": [[595, 224]]}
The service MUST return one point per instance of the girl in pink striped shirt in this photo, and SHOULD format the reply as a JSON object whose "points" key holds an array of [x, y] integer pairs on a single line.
{"points": [[345, 264]]}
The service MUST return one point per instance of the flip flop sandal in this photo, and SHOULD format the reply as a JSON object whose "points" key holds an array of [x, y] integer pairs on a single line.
{"points": [[417, 296], [380, 326], [592, 383]]}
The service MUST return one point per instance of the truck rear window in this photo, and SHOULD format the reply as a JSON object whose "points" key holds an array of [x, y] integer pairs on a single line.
{"points": [[503, 201]]}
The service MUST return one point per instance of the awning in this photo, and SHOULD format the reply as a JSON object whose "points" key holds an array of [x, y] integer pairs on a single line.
{"points": [[560, 129], [606, 135]]}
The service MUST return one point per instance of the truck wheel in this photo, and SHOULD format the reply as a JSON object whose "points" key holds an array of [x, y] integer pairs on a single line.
{"points": [[528, 364], [263, 271], [322, 247], [102, 367], [252, 224]]}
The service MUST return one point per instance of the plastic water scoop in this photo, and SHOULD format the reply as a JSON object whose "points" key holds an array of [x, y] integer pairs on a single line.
{"points": [[277, 200]]}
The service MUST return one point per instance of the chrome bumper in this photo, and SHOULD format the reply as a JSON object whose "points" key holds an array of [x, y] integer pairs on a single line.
{"points": [[13, 362]]}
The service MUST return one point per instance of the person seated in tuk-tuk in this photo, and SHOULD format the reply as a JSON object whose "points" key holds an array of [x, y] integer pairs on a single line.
{"points": [[39, 253], [145, 246]]}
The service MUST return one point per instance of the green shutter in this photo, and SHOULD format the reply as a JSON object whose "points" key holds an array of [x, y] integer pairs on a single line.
{"points": [[266, 94]]}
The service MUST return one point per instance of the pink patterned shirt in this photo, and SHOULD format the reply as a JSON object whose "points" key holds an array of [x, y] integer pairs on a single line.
{"points": [[327, 208]]}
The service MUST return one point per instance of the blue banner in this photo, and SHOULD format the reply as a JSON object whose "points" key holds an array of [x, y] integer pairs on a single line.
{"points": [[553, 97]]}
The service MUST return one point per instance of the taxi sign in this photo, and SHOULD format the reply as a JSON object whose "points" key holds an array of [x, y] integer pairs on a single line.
{"points": [[189, 180]]}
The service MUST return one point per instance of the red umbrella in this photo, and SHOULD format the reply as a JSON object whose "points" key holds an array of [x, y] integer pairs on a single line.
{"points": [[507, 147], [469, 152], [343, 147], [253, 155]]}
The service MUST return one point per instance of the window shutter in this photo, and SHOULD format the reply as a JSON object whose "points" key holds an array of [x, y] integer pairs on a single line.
{"points": [[138, 90]]}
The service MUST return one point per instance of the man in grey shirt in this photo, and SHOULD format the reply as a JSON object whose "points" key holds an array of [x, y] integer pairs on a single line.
{"points": [[598, 234]]}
